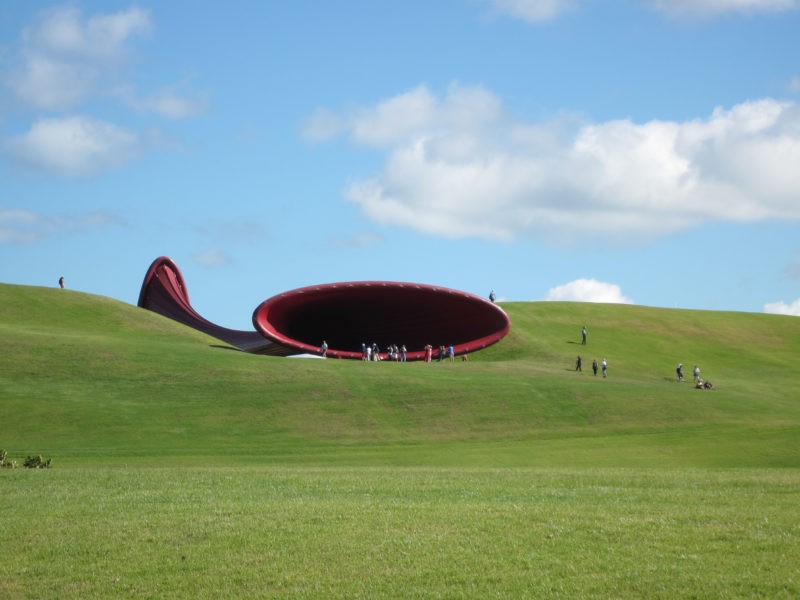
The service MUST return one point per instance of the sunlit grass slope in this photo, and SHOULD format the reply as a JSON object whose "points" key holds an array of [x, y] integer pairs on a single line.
{"points": [[87, 379], [186, 469]]}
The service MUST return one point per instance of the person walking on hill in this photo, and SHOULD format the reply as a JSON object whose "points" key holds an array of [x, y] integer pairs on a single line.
{"points": [[578, 364], [61, 282], [594, 367], [605, 366], [679, 372], [583, 335]]}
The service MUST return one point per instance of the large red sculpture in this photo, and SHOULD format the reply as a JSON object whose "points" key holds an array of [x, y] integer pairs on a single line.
{"points": [[345, 315]]}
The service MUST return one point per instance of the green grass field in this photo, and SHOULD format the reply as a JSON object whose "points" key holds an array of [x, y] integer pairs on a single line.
{"points": [[183, 468]]}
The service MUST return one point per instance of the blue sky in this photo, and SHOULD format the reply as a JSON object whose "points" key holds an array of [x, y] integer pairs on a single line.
{"points": [[617, 151]]}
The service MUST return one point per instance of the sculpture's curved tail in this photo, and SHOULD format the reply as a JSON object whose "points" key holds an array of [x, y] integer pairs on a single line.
{"points": [[164, 292]]}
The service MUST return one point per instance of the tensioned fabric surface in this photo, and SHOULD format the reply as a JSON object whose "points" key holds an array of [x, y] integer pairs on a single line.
{"points": [[164, 292], [344, 315]]}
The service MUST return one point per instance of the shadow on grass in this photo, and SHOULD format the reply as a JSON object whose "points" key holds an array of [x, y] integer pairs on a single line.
{"points": [[225, 347]]}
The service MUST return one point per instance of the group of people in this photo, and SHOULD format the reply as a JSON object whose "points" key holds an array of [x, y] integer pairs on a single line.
{"points": [[372, 352], [603, 365], [698, 381], [443, 352], [395, 353]]}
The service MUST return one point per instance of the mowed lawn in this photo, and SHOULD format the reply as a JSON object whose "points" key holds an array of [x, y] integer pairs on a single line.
{"points": [[364, 532], [182, 468]]}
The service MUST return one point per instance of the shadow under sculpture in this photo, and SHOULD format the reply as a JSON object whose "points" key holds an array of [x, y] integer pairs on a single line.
{"points": [[346, 315]]}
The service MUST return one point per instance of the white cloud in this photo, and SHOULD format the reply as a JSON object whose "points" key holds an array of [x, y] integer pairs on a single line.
{"points": [[710, 8], [781, 308], [171, 102], [409, 116], [321, 125], [213, 258], [50, 84], [459, 165], [533, 11], [102, 37], [588, 290], [66, 57], [20, 226], [538, 11], [167, 103], [74, 146]]}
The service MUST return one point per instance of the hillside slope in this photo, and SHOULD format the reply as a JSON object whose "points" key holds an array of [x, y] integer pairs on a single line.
{"points": [[87, 378]]}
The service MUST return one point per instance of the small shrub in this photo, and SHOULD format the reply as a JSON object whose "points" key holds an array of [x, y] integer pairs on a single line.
{"points": [[5, 463], [37, 462]]}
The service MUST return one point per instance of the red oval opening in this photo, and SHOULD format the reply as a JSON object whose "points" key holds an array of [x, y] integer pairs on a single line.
{"points": [[347, 315]]}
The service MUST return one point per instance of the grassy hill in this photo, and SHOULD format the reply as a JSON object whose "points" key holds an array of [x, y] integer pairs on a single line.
{"points": [[185, 469], [87, 378]]}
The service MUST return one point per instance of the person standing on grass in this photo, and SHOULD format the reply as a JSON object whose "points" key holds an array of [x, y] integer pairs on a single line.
{"points": [[605, 366], [578, 364], [61, 282], [583, 335], [324, 349], [594, 367], [451, 352], [696, 373], [679, 372]]}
